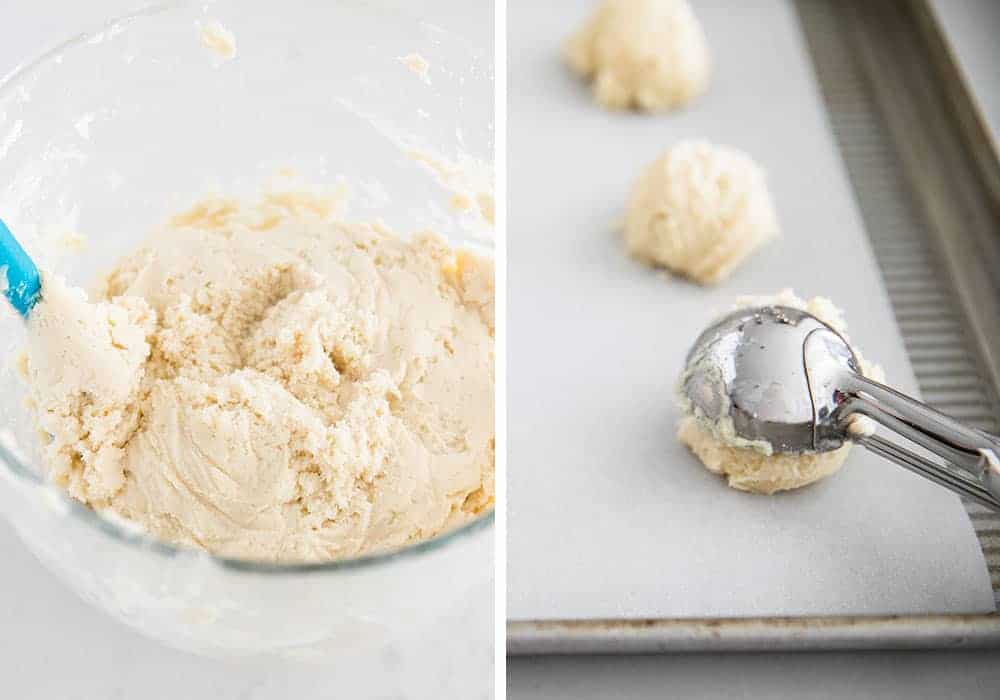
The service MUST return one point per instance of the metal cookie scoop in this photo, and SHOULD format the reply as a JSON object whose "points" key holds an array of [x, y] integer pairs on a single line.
{"points": [[785, 377]]}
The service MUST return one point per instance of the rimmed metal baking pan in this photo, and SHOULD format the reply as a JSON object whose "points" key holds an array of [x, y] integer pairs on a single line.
{"points": [[927, 179]]}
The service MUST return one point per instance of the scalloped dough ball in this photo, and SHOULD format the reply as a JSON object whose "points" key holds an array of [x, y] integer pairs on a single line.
{"points": [[699, 210], [755, 467], [646, 54]]}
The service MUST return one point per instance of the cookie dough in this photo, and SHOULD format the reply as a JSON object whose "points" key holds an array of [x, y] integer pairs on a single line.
{"points": [[266, 382], [699, 210], [218, 39], [646, 54], [753, 466], [418, 65]]}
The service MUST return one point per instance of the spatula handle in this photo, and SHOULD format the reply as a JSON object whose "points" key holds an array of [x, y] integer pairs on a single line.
{"points": [[20, 280]]}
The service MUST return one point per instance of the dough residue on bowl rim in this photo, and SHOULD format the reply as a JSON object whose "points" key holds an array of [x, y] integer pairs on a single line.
{"points": [[418, 65], [217, 38]]}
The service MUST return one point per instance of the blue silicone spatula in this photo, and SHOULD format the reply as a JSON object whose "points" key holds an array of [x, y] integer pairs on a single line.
{"points": [[23, 281]]}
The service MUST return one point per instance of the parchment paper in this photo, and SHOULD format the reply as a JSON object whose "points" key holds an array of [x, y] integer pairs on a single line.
{"points": [[608, 515]]}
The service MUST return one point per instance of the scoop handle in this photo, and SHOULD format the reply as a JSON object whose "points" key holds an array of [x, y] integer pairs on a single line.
{"points": [[22, 283], [972, 457]]}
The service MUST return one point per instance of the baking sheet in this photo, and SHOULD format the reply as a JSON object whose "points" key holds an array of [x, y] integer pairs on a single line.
{"points": [[609, 517]]}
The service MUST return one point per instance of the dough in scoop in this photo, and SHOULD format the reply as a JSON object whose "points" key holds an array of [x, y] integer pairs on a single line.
{"points": [[754, 467], [699, 210], [647, 54]]}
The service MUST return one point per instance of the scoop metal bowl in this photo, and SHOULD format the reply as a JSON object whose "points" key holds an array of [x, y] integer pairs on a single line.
{"points": [[785, 377]]}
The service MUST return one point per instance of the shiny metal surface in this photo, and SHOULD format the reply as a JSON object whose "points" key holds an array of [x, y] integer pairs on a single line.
{"points": [[784, 377], [798, 634], [749, 366]]}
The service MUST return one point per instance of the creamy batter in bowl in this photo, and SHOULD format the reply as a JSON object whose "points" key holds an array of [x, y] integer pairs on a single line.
{"points": [[109, 136]]}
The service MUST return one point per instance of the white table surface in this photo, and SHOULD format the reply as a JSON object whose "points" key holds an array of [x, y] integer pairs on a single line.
{"points": [[52, 645], [902, 676]]}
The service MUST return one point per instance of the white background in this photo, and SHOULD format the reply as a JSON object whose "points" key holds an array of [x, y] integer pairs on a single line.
{"points": [[54, 647]]}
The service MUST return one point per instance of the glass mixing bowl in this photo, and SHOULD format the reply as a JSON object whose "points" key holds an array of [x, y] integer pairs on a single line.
{"points": [[112, 133]]}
